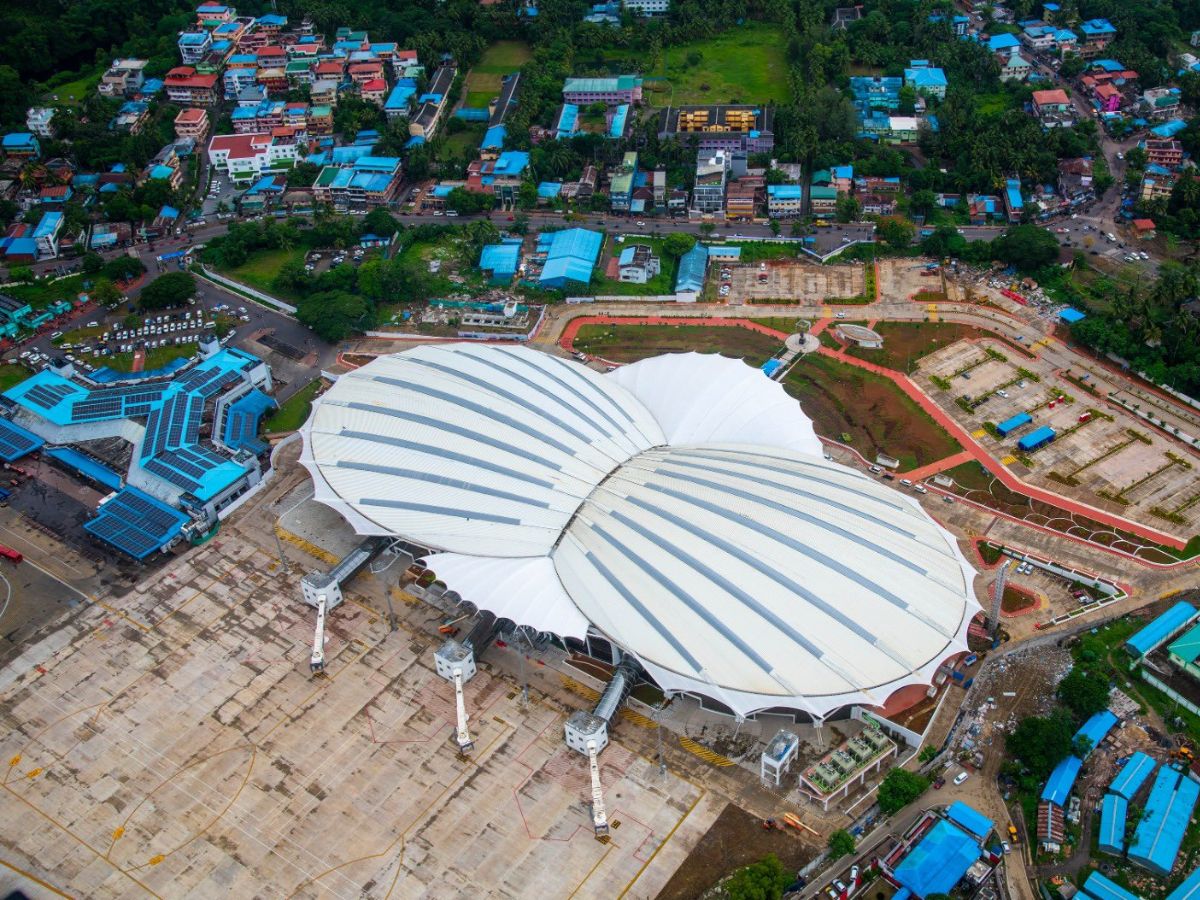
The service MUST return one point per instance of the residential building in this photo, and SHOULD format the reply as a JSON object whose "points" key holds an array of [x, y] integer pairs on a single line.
{"points": [[1014, 67], [983, 208], [210, 15], [432, 104], [194, 46], [749, 128], [875, 92], [318, 120], [582, 189], [620, 190], [1163, 153], [637, 264], [1157, 183], [20, 145], [1161, 103], [1053, 108], [1038, 37], [399, 101], [192, 123], [235, 81], [1004, 43], [1075, 181], [1097, 34], [877, 204], [500, 177], [191, 88], [708, 192], [373, 91], [369, 182], [647, 7], [245, 157], [38, 121], [46, 234], [926, 79], [741, 200], [844, 16], [324, 93], [621, 89], [55, 196], [123, 78], [823, 201]]}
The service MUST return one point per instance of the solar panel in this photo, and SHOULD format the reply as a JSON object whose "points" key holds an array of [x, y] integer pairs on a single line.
{"points": [[15, 441]]}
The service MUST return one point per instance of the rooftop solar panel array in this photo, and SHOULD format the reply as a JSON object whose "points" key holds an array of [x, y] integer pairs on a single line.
{"points": [[136, 523], [48, 396], [116, 403], [16, 442]]}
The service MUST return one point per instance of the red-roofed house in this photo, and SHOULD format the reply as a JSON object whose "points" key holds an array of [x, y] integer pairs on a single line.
{"points": [[366, 71], [192, 123], [244, 157], [1144, 228], [1053, 107], [332, 69], [1109, 97], [187, 86], [374, 91]]}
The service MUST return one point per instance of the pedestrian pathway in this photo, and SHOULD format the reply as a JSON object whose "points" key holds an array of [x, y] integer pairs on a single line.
{"points": [[941, 465]]}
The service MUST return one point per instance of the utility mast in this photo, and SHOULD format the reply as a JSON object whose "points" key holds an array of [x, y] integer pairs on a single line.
{"points": [[599, 815], [463, 734]]}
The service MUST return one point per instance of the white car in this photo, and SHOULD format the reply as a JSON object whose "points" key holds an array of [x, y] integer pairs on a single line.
{"points": [[840, 315], [961, 777]]}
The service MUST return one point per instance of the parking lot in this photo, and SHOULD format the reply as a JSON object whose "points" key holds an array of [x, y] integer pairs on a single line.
{"points": [[794, 282], [1099, 455]]}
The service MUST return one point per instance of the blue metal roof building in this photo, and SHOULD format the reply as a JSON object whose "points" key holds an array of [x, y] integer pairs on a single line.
{"points": [[1168, 811], [1113, 810], [1008, 426], [1098, 887], [1061, 780], [16, 441], [548, 190], [570, 256], [1132, 776], [1070, 315], [1097, 28], [493, 138], [692, 267], [1036, 438], [136, 523], [999, 42], [938, 862], [89, 468], [969, 818], [1188, 890], [568, 121], [1161, 629], [501, 260], [1096, 729]]}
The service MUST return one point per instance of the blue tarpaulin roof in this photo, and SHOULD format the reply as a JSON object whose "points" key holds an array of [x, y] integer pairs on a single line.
{"points": [[938, 862], [493, 138], [1132, 775], [1097, 727], [969, 818], [1061, 780], [1036, 438], [771, 366], [549, 189], [1161, 628], [1071, 315], [1012, 424]]}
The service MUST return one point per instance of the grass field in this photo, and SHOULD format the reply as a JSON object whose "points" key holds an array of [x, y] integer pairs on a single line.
{"points": [[465, 141], [500, 59], [904, 343], [43, 292], [629, 343], [12, 375], [73, 92], [295, 409], [867, 412], [742, 65], [155, 359], [79, 335], [260, 269], [786, 324], [992, 104], [662, 283]]}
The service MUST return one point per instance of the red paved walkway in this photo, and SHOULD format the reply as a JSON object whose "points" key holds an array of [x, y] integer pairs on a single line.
{"points": [[999, 471], [941, 465]]}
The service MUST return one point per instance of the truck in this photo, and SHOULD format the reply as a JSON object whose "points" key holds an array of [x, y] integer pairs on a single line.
{"points": [[13, 556]]}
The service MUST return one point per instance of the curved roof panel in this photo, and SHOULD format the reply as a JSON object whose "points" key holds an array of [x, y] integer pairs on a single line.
{"points": [[680, 506]]}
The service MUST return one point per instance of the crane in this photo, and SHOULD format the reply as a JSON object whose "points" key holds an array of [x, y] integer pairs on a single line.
{"points": [[599, 816], [317, 661], [463, 734]]}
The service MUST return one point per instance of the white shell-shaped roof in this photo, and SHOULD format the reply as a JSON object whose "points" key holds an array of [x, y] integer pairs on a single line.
{"points": [[680, 506]]}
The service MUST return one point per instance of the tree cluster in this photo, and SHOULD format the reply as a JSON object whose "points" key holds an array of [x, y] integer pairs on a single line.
{"points": [[899, 788]]}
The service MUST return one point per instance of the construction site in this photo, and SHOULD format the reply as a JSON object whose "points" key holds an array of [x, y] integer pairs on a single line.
{"points": [[790, 281]]}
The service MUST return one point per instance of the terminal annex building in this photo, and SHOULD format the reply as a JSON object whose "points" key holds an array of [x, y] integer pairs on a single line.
{"points": [[678, 509]]}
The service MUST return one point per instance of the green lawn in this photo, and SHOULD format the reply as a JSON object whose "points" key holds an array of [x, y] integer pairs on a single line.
{"points": [[155, 359], [503, 57], [43, 292], [260, 269], [12, 375], [465, 141], [292, 414], [662, 283], [73, 92], [741, 65], [79, 335], [993, 103], [479, 99], [629, 343]]}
